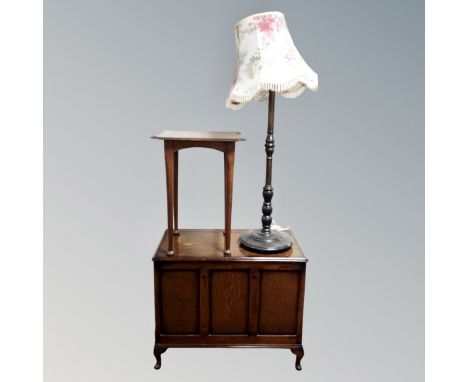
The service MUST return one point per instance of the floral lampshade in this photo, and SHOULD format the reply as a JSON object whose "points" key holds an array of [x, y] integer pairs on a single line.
{"points": [[267, 59]]}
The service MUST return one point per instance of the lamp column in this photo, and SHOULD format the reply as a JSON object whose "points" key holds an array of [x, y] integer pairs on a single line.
{"points": [[267, 208], [267, 240]]}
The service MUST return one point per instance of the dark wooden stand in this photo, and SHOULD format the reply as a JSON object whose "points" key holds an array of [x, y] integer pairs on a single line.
{"points": [[266, 240], [205, 299], [178, 140]]}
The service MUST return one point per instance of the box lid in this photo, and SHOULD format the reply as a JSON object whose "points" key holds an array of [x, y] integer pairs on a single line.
{"points": [[208, 245]]}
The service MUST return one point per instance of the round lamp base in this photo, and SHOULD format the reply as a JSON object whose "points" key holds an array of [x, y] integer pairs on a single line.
{"points": [[266, 243]]}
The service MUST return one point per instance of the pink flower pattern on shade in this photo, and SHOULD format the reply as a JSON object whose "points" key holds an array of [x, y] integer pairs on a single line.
{"points": [[266, 24], [267, 59]]}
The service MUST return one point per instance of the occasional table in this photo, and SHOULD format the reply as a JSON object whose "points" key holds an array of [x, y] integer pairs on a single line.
{"points": [[178, 140], [205, 299]]}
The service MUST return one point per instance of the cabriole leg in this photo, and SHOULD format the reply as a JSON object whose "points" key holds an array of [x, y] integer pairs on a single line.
{"points": [[157, 353], [299, 352]]}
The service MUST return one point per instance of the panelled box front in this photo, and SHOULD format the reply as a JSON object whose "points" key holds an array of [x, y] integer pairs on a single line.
{"points": [[235, 303]]}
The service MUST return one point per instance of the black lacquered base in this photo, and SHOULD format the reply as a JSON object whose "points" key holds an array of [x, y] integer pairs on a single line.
{"points": [[261, 242]]}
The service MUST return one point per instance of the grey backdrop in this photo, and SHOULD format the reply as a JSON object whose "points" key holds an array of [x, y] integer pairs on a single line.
{"points": [[348, 177]]}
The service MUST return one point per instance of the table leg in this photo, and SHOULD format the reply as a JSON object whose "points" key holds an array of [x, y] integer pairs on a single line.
{"points": [[225, 188], [176, 192], [228, 182], [169, 156]]}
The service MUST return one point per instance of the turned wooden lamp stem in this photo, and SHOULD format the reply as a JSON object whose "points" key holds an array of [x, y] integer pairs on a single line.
{"points": [[266, 240], [267, 207]]}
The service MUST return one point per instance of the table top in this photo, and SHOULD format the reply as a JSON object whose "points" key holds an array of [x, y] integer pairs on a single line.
{"points": [[212, 136], [208, 244]]}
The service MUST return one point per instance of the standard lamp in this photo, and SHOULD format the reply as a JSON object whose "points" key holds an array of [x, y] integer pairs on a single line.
{"points": [[267, 63]]}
